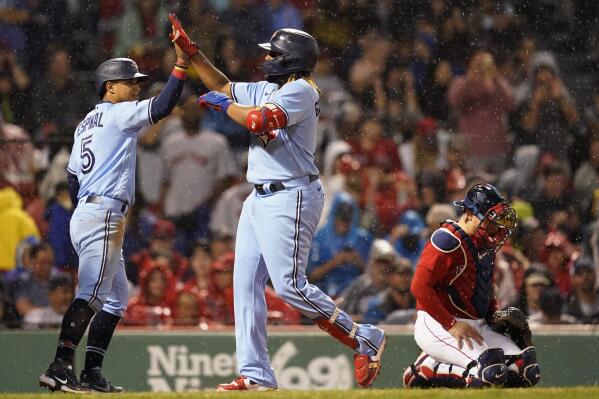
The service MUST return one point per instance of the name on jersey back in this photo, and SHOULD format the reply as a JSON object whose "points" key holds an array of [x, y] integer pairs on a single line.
{"points": [[94, 120]]}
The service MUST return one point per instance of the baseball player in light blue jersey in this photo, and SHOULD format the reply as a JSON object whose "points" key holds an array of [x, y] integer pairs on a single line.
{"points": [[101, 175], [279, 217]]}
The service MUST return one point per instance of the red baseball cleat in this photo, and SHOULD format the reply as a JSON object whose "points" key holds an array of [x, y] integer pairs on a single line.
{"points": [[243, 384], [366, 368]]}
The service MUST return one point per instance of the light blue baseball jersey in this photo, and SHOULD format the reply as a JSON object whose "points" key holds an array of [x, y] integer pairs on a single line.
{"points": [[103, 154], [291, 154]]}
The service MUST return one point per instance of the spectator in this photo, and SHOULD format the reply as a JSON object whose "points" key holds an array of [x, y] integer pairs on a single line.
{"points": [[200, 264], [586, 181], [16, 226], [14, 14], [550, 116], [141, 28], [583, 303], [151, 307], [217, 300], [481, 101], [407, 236], [437, 214], [339, 248], [32, 287], [161, 246], [551, 304], [382, 259], [395, 305], [17, 161], [221, 244], [56, 120], [59, 218], [557, 256], [60, 296], [535, 282], [200, 166], [227, 207], [434, 101], [554, 195], [14, 82], [186, 307]]}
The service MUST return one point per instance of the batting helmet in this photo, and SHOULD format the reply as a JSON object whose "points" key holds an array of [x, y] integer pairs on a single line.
{"points": [[117, 69], [297, 52]]}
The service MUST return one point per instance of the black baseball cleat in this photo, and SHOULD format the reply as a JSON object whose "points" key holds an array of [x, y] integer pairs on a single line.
{"points": [[93, 380], [60, 377]]}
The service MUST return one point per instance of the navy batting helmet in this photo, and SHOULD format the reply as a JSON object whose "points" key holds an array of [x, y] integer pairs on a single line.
{"points": [[293, 51], [116, 69], [480, 198]]}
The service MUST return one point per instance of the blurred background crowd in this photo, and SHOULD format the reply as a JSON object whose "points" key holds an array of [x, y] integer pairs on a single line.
{"points": [[421, 99]]}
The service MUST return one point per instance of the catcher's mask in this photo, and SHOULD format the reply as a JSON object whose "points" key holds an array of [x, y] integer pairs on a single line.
{"points": [[496, 226], [497, 218]]}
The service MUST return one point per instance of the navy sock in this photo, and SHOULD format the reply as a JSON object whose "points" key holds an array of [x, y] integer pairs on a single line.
{"points": [[74, 324], [100, 333]]}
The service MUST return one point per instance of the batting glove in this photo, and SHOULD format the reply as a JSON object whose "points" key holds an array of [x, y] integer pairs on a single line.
{"points": [[180, 37], [215, 100]]}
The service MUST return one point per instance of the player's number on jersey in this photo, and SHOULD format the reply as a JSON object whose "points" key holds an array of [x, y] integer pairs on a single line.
{"points": [[87, 156]]}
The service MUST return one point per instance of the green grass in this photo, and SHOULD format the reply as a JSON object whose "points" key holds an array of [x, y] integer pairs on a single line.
{"points": [[536, 393]]}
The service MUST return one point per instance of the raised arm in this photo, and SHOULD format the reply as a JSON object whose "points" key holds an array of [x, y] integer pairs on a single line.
{"points": [[212, 78]]}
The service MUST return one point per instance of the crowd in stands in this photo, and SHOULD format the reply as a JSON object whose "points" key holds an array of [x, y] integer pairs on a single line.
{"points": [[421, 99]]}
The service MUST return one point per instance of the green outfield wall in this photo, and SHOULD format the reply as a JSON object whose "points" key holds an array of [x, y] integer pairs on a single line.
{"points": [[190, 360]]}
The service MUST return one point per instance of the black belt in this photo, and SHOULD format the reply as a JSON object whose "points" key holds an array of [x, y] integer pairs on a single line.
{"points": [[97, 200], [278, 186]]}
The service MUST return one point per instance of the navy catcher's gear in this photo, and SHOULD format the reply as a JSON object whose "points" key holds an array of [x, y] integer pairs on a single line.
{"points": [[492, 370], [529, 371], [116, 69], [293, 51], [480, 198]]}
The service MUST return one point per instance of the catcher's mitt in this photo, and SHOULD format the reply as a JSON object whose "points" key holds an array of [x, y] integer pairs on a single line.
{"points": [[512, 323]]}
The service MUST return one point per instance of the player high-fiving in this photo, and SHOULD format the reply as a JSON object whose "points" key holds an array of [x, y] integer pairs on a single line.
{"points": [[101, 176], [280, 216]]}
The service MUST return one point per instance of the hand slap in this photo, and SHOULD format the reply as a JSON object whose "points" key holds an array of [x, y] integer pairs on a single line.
{"points": [[215, 100], [180, 37]]}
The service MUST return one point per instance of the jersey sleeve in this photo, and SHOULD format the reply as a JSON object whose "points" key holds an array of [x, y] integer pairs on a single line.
{"points": [[251, 93], [74, 159], [295, 99], [131, 116], [431, 268]]}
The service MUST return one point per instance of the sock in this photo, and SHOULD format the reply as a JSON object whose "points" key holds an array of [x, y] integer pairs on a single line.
{"points": [[100, 333], [74, 324]]}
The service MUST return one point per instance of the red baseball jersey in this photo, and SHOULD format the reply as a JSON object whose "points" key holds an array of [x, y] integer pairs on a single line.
{"points": [[453, 278]]}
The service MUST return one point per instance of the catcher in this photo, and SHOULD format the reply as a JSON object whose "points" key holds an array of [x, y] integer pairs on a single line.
{"points": [[465, 341]]}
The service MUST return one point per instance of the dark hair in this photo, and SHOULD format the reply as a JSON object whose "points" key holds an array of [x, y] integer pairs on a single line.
{"points": [[37, 248]]}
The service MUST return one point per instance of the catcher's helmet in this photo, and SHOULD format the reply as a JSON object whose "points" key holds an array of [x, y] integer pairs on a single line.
{"points": [[480, 198], [497, 218], [296, 51], [116, 69]]}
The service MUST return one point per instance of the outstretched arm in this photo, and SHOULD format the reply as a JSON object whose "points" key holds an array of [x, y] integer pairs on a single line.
{"points": [[258, 120], [212, 78]]}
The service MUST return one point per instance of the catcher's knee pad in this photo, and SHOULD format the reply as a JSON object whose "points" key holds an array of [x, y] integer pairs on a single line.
{"points": [[331, 326], [492, 370], [529, 371]]}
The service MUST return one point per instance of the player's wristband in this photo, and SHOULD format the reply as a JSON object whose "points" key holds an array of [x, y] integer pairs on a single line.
{"points": [[179, 72], [181, 63]]}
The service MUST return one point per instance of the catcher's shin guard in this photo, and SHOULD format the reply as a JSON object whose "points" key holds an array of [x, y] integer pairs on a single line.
{"points": [[528, 372], [337, 332], [492, 370]]}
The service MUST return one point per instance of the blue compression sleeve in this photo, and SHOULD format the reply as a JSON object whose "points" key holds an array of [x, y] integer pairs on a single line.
{"points": [[73, 186], [164, 102]]}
